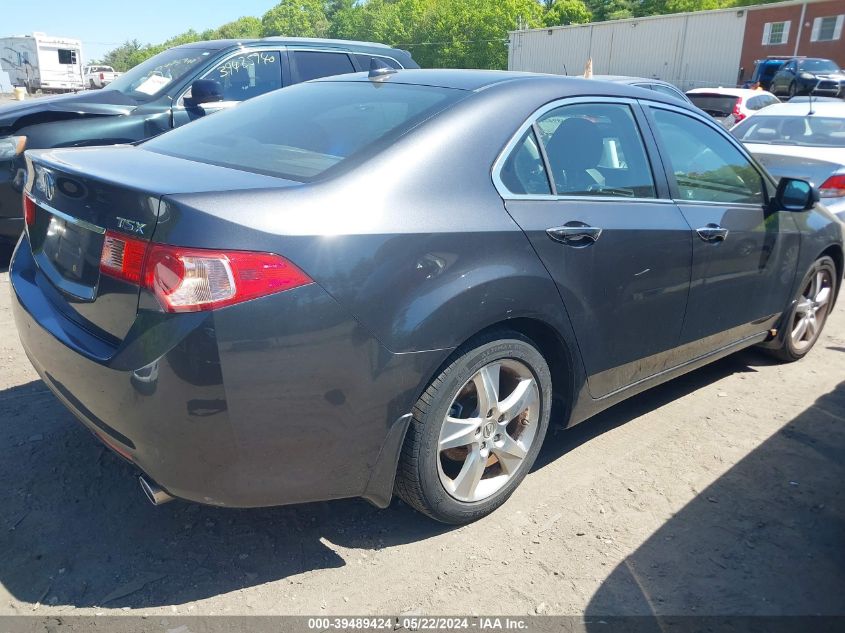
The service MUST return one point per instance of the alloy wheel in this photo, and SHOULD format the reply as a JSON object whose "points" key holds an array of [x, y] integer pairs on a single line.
{"points": [[811, 310], [489, 430]]}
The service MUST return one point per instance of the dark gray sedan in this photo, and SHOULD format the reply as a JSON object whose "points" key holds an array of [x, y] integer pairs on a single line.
{"points": [[394, 282]]}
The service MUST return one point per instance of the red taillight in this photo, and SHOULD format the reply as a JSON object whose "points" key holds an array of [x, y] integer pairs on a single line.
{"points": [[833, 187], [102, 76], [28, 209], [123, 257], [738, 115], [192, 279]]}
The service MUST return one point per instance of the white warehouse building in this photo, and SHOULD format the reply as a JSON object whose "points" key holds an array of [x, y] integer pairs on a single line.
{"points": [[686, 49]]}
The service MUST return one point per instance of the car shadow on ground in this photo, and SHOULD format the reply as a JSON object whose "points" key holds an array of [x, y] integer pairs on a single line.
{"points": [[765, 539], [560, 442], [77, 531], [5, 256]]}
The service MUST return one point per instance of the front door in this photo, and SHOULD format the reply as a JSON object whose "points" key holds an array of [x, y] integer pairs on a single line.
{"points": [[744, 257], [618, 248]]}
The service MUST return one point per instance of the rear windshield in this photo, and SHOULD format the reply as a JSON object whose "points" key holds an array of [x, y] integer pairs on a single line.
{"points": [[813, 131], [714, 104], [302, 132]]}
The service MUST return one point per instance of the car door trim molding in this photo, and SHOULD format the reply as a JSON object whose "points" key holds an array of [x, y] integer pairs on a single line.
{"points": [[529, 123]]}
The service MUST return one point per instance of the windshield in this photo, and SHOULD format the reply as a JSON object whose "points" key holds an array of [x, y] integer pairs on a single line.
{"points": [[150, 78], [303, 131], [813, 131], [818, 66], [714, 104]]}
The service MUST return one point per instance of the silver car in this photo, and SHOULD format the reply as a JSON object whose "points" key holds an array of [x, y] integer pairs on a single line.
{"points": [[802, 140]]}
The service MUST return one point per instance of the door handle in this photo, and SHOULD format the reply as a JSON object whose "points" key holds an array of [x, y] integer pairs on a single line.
{"points": [[712, 233], [577, 235]]}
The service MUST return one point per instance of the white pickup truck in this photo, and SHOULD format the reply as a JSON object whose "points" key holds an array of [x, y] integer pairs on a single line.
{"points": [[99, 76]]}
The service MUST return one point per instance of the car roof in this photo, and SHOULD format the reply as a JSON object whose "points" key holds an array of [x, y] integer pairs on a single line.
{"points": [[734, 92], [290, 41], [477, 80], [624, 79], [822, 108]]}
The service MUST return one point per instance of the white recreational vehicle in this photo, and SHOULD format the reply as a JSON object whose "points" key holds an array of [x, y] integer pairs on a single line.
{"points": [[42, 62]]}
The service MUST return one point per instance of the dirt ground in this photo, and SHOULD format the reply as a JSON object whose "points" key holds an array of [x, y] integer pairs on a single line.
{"points": [[718, 493]]}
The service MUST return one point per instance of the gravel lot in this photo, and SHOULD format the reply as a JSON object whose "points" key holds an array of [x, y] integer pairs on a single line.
{"points": [[718, 493]]}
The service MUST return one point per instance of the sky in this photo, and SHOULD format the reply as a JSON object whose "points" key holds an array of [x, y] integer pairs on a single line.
{"points": [[104, 24]]}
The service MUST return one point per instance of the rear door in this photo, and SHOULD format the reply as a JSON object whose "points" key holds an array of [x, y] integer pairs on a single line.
{"points": [[616, 245], [744, 257]]}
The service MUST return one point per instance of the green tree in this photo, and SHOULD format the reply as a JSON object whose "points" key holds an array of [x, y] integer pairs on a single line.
{"points": [[611, 9], [567, 12], [242, 28], [296, 18]]}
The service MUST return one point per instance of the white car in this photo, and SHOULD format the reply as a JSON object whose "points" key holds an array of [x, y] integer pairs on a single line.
{"points": [[99, 76], [802, 140], [729, 106]]}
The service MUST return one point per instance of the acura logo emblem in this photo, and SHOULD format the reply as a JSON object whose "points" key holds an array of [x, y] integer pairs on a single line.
{"points": [[49, 185]]}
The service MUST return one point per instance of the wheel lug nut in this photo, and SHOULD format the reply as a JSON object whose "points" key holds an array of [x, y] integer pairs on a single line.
{"points": [[497, 437]]}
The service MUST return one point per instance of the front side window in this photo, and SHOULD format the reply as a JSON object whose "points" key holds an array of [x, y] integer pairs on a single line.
{"points": [[316, 64], [775, 33], [338, 124], [707, 167], [247, 75], [595, 149], [827, 29]]}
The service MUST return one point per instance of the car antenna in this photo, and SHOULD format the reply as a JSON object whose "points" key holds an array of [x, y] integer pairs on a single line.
{"points": [[379, 70], [811, 103]]}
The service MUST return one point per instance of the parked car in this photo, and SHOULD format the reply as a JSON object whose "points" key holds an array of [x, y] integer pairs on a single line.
{"points": [[809, 75], [663, 87], [802, 140], [321, 294], [99, 76], [171, 89], [729, 106], [764, 72]]}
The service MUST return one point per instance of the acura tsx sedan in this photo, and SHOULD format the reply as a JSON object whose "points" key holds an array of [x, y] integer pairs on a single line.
{"points": [[392, 282]]}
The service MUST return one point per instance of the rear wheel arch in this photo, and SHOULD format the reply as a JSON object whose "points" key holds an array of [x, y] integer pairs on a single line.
{"points": [[557, 352], [834, 251]]}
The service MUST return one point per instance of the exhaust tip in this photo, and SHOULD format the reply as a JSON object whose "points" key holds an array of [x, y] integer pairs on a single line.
{"points": [[154, 493]]}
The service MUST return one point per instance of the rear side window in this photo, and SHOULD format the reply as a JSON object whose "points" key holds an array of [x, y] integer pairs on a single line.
{"points": [[364, 61], [707, 167], [595, 149], [315, 64], [524, 172], [666, 90], [303, 132]]}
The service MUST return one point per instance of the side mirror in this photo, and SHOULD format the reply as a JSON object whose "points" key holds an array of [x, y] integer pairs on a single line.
{"points": [[796, 195], [204, 91]]}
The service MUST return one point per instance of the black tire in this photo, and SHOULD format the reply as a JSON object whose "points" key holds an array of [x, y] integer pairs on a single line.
{"points": [[418, 481], [788, 352], [793, 90], [91, 85]]}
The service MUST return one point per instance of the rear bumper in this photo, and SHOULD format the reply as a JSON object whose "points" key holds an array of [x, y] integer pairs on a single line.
{"points": [[281, 400]]}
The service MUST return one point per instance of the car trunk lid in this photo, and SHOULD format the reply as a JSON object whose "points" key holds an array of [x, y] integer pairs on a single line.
{"points": [[80, 197]]}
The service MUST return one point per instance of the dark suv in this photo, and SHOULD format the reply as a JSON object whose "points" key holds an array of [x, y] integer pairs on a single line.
{"points": [[173, 88], [809, 75]]}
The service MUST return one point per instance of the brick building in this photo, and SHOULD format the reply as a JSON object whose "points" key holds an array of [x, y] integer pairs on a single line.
{"points": [[813, 28]]}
